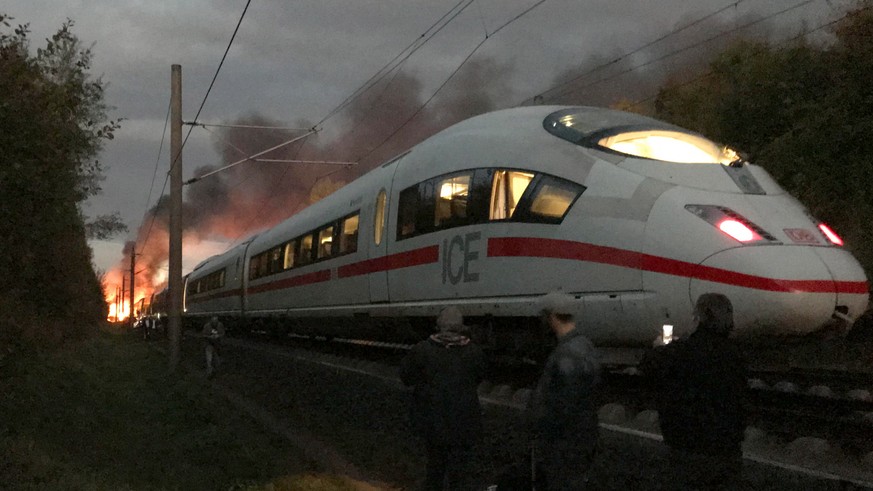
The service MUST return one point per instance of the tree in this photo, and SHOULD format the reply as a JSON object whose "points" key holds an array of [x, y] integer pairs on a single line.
{"points": [[54, 123], [803, 112]]}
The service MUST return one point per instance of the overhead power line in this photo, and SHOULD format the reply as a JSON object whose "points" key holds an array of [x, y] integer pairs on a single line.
{"points": [[708, 73], [245, 126], [449, 78], [175, 158], [570, 90], [251, 157], [402, 56], [155, 175], [649, 44]]}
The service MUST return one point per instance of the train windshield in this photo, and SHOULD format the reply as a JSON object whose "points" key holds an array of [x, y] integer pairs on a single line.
{"points": [[649, 141], [669, 146]]}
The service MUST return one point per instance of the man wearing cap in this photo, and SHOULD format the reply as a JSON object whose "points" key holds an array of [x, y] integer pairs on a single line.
{"points": [[562, 408], [445, 371], [701, 385]]}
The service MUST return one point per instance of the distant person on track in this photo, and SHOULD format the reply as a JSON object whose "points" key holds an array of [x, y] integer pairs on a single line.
{"points": [[445, 371], [562, 409], [701, 385], [213, 332]]}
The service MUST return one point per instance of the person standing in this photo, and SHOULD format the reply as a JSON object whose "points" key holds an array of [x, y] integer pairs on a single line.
{"points": [[700, 384], [445, 371], [562, 408], [213, 331]]}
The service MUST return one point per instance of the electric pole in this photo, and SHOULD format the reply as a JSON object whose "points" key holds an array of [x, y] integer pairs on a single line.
{"points": [[132, 247], [175, 278]]}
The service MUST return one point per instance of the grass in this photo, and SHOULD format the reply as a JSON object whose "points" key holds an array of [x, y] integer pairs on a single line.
{"points": [[104, 414]]}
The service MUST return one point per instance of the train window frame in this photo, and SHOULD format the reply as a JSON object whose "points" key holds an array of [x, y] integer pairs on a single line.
{"points": [[305, 258], [524, 211], [379, 216], [290, 248], [325, 232], [275, 260], [491, 197], [253, 267], [438, 184], [341, 243], [212, 281]]}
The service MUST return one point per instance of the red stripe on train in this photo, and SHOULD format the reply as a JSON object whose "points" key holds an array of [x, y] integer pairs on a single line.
{"points": [[579, 251], [415, 257], [304, 279]]}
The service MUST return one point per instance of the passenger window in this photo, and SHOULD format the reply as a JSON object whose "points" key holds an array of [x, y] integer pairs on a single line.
{"points": [[506, 191], [276, 260], [325, 243], [553, 198], [290, 254], [305, 254], [407, 212], [379, 218], [349, 236], [253, 267], [451, 201]]}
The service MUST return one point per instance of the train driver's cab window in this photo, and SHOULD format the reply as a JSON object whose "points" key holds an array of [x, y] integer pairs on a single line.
{"points": [[669, 146], [451, 200], [325, 243], [349, 235], [551, 199], [304, 255], [507, 189]]}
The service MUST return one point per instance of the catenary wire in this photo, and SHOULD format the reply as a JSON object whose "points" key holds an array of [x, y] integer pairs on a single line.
{"points": [[175, 158], [449, 78], [571, 90], [709, 73], [637, 50], [155, 174]]}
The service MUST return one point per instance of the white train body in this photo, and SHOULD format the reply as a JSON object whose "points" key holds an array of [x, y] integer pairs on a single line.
{"points": [[497, 210]]}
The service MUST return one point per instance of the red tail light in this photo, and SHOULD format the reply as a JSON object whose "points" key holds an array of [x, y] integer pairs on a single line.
{"points": [[830, 234]]}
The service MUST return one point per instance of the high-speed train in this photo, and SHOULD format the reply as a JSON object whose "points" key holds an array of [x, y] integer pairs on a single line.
{"points": [[632, 216]]}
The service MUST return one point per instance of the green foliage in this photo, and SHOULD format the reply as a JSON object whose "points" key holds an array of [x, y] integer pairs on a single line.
{"points": [[104, 414], [105, 226], [53, 122], [804, 112]]}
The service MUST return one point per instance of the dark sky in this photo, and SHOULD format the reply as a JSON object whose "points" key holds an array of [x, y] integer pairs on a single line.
{"points": [[294, 62]]}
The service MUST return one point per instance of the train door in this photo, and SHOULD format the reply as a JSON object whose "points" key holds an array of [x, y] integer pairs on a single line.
{"points": [[378, 248]]}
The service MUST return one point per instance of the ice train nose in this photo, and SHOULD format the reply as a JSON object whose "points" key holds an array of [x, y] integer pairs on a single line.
{"points": [[785, 290]]}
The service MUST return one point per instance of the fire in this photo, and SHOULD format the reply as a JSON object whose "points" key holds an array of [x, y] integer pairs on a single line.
{"points": [[118, 301], [151, 275]]}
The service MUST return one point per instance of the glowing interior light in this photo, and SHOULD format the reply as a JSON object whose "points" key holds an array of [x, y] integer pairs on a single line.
{"points": [[450, 189], [830, 234], [667, 333], [738, 230], [670, 146]]}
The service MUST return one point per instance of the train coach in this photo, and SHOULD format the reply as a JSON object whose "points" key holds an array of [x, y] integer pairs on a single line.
{"points": [[632, 216]]}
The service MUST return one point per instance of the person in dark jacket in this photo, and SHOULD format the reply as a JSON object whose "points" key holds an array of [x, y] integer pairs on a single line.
{"points": [[445, 371], [701, 384], [562, 408]]}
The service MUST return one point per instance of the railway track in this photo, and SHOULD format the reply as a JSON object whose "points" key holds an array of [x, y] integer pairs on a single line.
{"points": [[804, 433]]}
